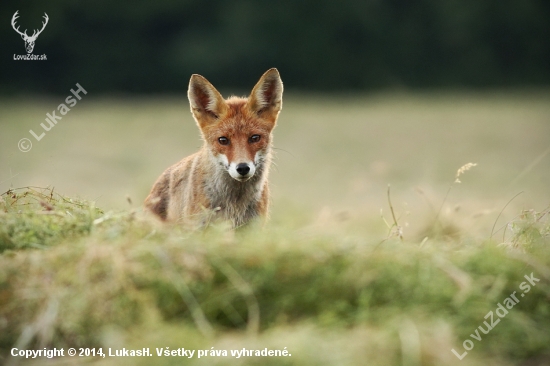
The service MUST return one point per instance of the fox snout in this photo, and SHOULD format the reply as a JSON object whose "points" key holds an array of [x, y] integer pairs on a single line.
{"points": [[242, 171]]}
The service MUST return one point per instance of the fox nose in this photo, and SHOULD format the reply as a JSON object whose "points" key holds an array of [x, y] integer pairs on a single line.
{"points": [[243, 169]]}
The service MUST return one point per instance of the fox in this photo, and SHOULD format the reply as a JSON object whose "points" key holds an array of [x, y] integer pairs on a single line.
{"points": [[228, 177]]}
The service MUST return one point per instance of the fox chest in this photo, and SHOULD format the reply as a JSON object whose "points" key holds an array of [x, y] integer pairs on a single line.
{"points": [[237, 203]]}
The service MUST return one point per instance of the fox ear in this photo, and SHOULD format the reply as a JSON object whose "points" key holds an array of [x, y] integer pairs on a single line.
{"points": [[206, 102], [267, 95]]}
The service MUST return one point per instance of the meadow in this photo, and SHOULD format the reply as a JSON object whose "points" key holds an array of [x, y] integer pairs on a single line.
{"points": [[374, 253]]}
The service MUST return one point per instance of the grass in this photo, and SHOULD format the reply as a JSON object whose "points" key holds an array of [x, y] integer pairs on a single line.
{"points": [[328, 278], [104, 279]]}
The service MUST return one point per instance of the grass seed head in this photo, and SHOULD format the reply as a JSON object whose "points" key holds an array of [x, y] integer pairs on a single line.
{"points": [[462, 170]]}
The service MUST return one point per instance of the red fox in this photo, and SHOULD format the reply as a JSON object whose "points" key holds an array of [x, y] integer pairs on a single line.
{"points": [[228, 175]]}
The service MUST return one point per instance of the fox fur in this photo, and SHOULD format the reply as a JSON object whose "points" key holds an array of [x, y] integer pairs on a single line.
{"points": [[228, 177]]}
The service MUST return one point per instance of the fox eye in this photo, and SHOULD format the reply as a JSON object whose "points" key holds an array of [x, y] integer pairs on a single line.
{"points": [[254, 138], [223, 140]]}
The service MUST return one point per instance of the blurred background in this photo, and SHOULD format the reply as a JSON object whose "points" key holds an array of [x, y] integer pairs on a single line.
{"points": [[153, 46], [377, 92]]}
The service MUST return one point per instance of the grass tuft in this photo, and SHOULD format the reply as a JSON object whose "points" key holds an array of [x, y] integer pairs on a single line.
{"points": [[74, 275]]}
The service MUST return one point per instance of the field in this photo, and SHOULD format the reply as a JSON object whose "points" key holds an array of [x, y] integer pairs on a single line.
{"points": [[336, 277]]}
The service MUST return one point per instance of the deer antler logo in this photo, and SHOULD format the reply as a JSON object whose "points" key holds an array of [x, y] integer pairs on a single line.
{"points": [[29, 41]]}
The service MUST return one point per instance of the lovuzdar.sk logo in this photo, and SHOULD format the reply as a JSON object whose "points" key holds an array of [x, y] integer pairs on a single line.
{"points": [[29, 40]]}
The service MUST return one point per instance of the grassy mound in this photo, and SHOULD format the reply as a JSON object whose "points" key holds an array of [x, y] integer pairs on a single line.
{"points": [[72, 275]]}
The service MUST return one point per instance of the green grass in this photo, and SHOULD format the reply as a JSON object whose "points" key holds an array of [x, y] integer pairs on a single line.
{"points": [[328, 277], [105, 279]]}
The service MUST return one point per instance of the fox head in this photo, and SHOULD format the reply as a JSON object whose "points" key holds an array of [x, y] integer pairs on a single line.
{"points": [[237, 131]]}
